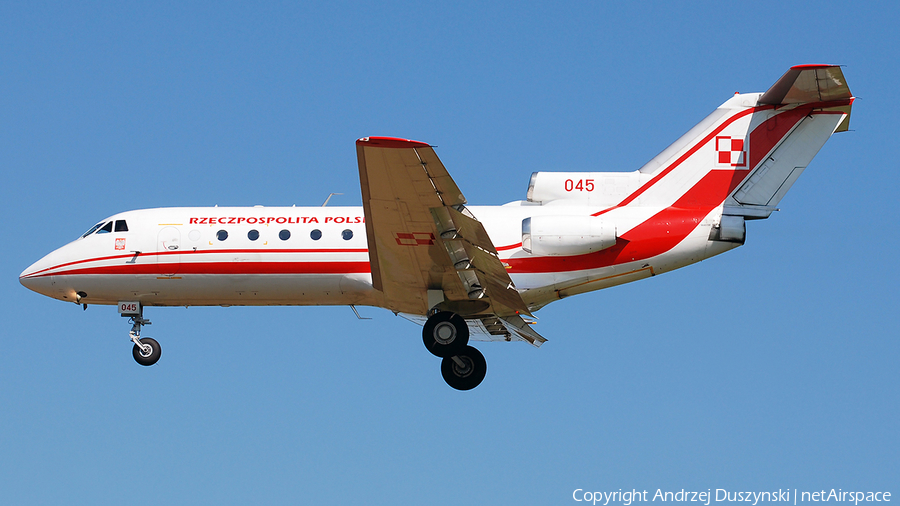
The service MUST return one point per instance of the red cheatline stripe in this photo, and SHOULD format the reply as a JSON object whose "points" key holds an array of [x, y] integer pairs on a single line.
{"points": [[683, 157], [189, 252], [42, 272], [98, 259], [320, 250], [227, 268]]}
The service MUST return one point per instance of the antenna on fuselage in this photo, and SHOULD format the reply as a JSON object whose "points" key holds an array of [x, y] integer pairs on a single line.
{"points": [[353, 307], [329, 198]]}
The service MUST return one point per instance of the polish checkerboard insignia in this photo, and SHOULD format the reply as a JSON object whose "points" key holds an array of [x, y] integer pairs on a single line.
{"points": [[730, 151], [414, 239]]}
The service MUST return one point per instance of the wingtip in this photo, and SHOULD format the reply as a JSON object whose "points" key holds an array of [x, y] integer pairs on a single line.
{"points": [[390, 142]]}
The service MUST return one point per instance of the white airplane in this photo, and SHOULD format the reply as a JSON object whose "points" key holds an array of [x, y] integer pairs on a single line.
{"points": [[464, 272]]}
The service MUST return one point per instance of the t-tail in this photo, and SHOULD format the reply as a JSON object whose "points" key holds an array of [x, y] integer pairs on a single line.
{"points": [[749, 152], [743, 157], [691, 201]]}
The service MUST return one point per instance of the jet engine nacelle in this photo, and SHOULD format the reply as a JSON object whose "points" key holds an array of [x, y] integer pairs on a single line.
{"points": [[566, 235]]}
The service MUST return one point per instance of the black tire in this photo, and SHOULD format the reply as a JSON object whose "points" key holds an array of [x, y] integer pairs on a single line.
{"points": [[147, 359], [445, 334], [469, 376]]}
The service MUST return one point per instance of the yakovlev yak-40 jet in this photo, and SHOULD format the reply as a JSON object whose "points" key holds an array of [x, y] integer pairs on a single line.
{"points": [[464, 272]]}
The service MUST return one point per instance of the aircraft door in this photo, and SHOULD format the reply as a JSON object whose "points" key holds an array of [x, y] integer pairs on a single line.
{"points": [[168, 250]]}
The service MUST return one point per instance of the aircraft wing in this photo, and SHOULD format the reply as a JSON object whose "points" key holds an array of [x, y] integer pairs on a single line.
{"points": [[422, 238]]}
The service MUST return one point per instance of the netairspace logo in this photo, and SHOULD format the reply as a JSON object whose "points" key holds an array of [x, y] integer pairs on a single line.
{"points": [[705, 497]]}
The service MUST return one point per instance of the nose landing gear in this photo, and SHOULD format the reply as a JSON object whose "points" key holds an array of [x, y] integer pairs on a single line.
{"points": [[146, 350]]}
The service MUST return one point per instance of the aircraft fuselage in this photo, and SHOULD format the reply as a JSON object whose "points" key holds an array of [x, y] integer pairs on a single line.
{"points": [[202, 256]]}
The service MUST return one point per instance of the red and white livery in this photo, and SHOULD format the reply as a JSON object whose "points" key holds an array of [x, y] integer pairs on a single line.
{"points": [[464, 272]]}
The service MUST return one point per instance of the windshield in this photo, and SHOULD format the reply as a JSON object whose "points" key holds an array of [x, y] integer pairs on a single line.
{"points": [[105, 227], [92, 229]]}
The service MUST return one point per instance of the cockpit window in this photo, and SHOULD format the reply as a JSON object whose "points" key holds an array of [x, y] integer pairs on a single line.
{"points": [[92, 230], [105, 229], [121, 226]]}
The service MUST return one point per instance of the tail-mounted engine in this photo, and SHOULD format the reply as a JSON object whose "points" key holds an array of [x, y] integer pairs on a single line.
{"points": [[566, 235]]}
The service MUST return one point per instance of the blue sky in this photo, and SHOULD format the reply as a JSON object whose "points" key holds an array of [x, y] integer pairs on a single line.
{"points": [[772, 366]]}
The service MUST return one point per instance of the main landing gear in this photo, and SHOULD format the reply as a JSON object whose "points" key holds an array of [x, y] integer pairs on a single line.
{"points": [[146, 350], [446, 335]]}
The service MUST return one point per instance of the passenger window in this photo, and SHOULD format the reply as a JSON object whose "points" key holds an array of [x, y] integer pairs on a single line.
{"points": [[316, 234], [253, 235], [105, 229], [121, 226], [347, 234], [222, 235], [284, 235]]}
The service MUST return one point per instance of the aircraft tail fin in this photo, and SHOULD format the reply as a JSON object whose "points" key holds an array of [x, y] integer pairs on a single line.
{"points": [[750, 150]]}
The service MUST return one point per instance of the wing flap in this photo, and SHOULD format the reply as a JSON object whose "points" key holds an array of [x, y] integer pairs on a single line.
{"points": [[487, 264], [505, 300], [470, 229], [521, 328], [493, 328], [473, 253]]}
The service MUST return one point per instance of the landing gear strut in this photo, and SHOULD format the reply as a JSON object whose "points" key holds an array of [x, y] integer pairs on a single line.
{"points": [[146, 350], [446, 335]]}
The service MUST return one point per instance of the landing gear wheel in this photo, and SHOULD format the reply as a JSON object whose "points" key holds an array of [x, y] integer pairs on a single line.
{"points": [[465, 370], [445, 334], [144, 356]]}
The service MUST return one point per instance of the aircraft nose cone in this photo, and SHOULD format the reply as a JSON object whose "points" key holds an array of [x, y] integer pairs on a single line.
{"points": [[27, 277], [43, 276], [36, 276]]}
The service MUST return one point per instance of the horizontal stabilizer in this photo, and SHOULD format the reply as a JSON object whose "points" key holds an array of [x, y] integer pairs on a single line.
{"points": [[803, 84]]}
